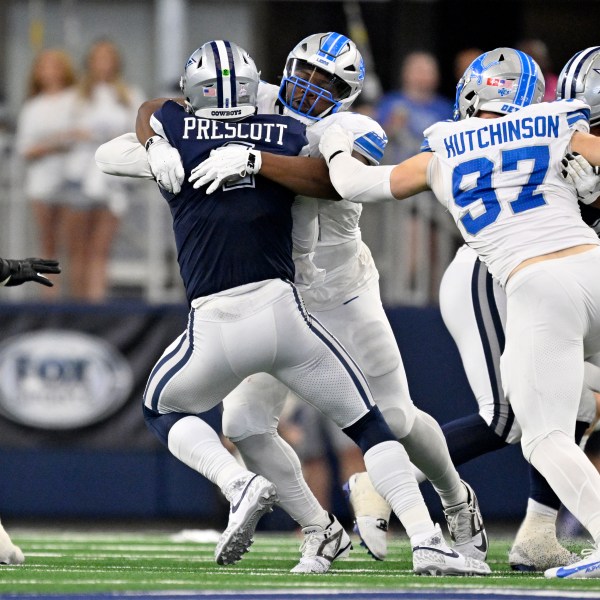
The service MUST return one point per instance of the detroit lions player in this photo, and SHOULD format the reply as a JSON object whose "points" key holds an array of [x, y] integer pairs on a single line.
{"points": [[473, 307], [347, 299], [235, 256], [497, 169]]}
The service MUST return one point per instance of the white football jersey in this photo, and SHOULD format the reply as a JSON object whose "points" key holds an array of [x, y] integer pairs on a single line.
{"points": [[340, 251], [339, 262], [500, 179]]}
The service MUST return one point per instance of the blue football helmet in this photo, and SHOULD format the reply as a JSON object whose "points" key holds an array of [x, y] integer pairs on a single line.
{"points": [[580, 78], [323, 74], [220, 81], [501, 81]]}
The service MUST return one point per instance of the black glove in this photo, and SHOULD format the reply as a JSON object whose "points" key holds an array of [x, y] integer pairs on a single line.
{"points": [[16, 272]]}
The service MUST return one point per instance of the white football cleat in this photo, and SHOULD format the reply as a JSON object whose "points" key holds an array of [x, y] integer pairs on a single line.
{"points": [[371, 514], [586, 568], [322, 546], [433, 556], [465, 526], [250, 496], [9, 553], [536, 547]]}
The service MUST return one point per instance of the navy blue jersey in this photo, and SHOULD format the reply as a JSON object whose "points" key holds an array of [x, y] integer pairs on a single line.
{"points": [[242, 232]]}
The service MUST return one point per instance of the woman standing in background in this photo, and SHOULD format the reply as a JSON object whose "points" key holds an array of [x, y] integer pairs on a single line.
{"points": [[105, 107], [44, 135]]}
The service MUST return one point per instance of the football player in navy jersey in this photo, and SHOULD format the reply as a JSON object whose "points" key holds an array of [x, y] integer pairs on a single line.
{"points": [[235, 256]]}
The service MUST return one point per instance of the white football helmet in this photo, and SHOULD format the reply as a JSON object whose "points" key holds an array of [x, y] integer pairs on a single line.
{"points": [[580, 78], [220, 81], [323, 66], [502, 81]]}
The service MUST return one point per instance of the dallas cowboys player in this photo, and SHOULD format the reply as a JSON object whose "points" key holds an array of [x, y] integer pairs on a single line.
{"points": [[346, 299], [234, 250], [497, 169]]}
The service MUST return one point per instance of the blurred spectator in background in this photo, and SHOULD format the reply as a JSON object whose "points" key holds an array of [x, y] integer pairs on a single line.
{"points": [[406, 112], [44, 134], [538, 50], [105, 107], [463, 59]]}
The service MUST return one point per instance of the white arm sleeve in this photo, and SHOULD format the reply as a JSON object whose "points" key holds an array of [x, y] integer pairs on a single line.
{"points": [[358, 182], [124, 156], [305, 229]]}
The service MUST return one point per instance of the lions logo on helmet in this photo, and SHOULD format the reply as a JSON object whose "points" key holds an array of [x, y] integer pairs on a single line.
{"points": [[580, 78], [220, 81], [501, 81], [323, 74]]}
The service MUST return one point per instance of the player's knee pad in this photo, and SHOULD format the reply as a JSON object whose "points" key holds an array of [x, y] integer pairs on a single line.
{"points": [[400, 419], [375, 349], [160, 425], [370, 430], [243, 420], [530, 443]]}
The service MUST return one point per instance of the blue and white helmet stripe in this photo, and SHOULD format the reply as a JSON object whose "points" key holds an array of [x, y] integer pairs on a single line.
{"points": [[526, 87], [226, 90], [331, 46], [503, 80]]}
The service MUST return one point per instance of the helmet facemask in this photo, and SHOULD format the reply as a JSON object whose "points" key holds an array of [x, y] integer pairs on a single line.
{"points": [[311, 91], [324, 74]]}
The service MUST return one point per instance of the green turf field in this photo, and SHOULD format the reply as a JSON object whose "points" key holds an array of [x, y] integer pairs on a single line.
{"points": [[76, 561]]}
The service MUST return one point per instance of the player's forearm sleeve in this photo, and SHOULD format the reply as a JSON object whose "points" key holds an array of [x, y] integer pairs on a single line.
{"points": [[123, 156], [358, 182]]}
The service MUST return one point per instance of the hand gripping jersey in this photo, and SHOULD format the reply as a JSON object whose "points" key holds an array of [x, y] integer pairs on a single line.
{"points": [[500, 179], [241, 233]]}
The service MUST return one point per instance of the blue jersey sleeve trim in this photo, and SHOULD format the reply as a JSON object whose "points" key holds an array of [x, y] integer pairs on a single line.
{"points": [[578, 115], [371, 145]]}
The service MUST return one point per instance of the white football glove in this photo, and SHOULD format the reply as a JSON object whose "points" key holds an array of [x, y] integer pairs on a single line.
{"points": [[578, 171], [165, 164], [335, 139], [226, 163]]}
